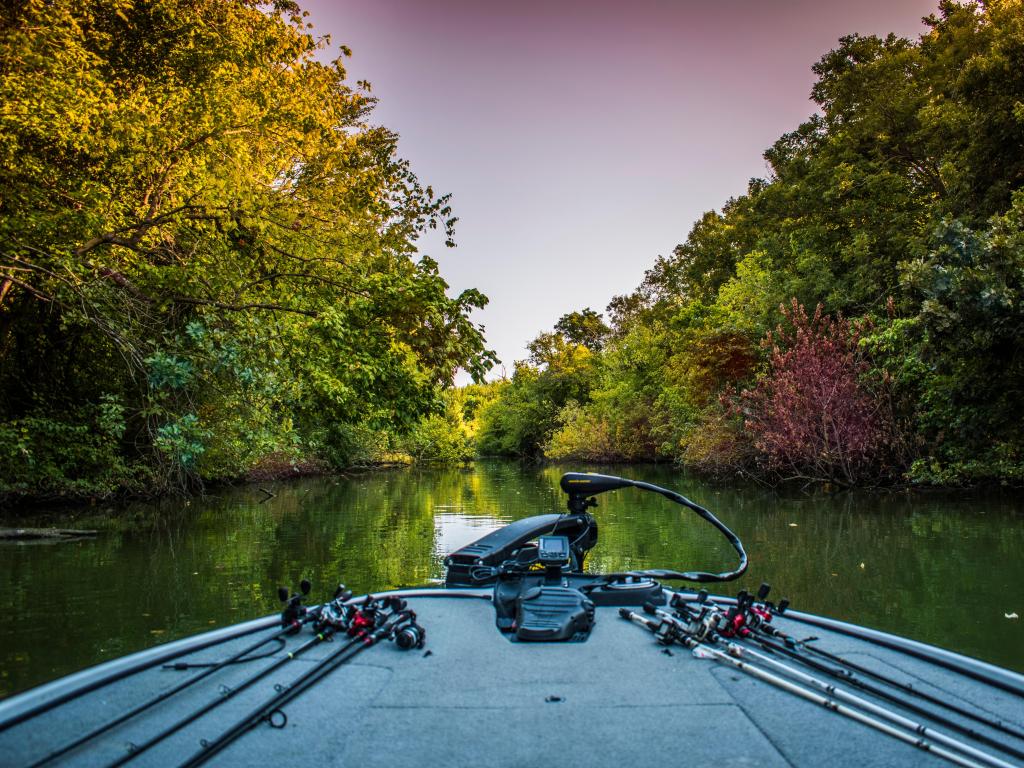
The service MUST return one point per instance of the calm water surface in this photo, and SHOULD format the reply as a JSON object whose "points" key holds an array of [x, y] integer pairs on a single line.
{"points": [[940, 568]]}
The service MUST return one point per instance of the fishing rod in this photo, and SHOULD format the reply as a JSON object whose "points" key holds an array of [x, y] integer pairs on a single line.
{"points": [[805, 645], [325, 630], [702, 651], [863, 685], [680, 628], [400, 626], [293, 617], [756, 616], [152, 658], [712, 622], [990, 675]]}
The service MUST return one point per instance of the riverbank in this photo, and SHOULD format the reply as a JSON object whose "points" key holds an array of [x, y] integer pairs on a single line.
{"points": [[161, 570], [261, 482], [275, 467]]}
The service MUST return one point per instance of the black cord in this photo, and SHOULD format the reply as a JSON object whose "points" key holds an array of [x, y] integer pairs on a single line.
{"points": [[183, 666], [699, 576]]}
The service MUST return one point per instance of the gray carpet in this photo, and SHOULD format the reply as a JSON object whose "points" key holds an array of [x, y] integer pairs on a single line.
{"points": [[479, 700]]}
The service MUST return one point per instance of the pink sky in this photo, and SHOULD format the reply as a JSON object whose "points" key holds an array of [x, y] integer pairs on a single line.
{"points": [[580, 140]]}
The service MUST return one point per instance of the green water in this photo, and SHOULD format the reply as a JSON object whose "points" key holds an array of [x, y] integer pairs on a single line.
{"points": [[945, 569]]}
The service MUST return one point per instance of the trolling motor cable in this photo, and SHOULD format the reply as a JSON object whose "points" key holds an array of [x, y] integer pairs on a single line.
{"points": [[583, 486], [680, 634]]}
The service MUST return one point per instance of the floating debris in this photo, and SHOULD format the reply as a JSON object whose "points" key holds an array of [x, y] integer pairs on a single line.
{"points": [[36, 534]]}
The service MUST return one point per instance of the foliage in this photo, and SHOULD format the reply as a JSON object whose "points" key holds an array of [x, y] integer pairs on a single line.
{"points": [[198, 219], [81, 456], [810, 416], [616, 424], [521, 420], [968, 334], [561, 372], [442, 437], [899, 204], [586, 328]]}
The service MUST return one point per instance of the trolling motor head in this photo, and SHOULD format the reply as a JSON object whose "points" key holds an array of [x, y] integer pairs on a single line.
{"points": [[583, 486]]}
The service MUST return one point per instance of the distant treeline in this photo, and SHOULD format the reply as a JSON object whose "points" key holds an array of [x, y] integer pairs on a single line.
{"points": [[207, 253], [208, 270], [856, 317]]}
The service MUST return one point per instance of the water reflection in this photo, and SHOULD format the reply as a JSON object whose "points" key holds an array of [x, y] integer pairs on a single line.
{"points": [[940, 568]]}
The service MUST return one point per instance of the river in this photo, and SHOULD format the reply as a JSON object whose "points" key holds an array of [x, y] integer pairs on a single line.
{"points": [[938, 567]]}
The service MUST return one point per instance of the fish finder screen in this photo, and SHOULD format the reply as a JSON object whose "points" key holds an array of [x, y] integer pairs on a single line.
{"points": [[553, 550]]}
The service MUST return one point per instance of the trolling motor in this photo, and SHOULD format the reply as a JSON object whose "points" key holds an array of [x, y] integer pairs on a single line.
{"points": [[536, 565], [510, 550]]}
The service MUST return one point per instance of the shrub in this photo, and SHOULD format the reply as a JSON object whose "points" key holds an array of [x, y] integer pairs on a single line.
{"points": [[811, 416], [75, 458], [438, 438]]}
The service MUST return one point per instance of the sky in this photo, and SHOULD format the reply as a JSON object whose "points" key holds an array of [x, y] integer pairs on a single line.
{"points": [[581, 140]]}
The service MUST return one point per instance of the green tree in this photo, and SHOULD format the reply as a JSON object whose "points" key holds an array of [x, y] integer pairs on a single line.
{"points": [[585, 328], [199, 220], [898, 203]]}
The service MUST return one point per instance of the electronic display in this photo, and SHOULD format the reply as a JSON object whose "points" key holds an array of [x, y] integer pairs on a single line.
{"points": [[553, 549]]}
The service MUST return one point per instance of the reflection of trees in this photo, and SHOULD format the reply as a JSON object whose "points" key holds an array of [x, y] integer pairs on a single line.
{"points": [[938, 568]]}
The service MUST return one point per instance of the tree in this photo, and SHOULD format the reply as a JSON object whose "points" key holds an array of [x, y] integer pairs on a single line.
{"points": [[967, 336], [585, 328], [198, 220]]}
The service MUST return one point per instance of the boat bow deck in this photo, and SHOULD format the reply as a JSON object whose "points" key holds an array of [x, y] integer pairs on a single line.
{"points": [[471, 697]]}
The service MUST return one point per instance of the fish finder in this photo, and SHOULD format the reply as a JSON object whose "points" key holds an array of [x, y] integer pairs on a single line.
{"points": [[553, 551]]}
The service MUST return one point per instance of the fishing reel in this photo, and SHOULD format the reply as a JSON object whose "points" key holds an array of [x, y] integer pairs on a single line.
{"points": [[368, 615], [337, 613], [411, 635], [707, 619], [406, 634], [358, 619], [758, 614], [701, 625]]}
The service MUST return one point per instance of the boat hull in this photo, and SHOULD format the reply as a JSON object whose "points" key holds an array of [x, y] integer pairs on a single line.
{"points": [[473, 697]]}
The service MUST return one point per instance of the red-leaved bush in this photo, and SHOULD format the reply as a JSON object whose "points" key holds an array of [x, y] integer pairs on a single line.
{"points": [[810, 416]]}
